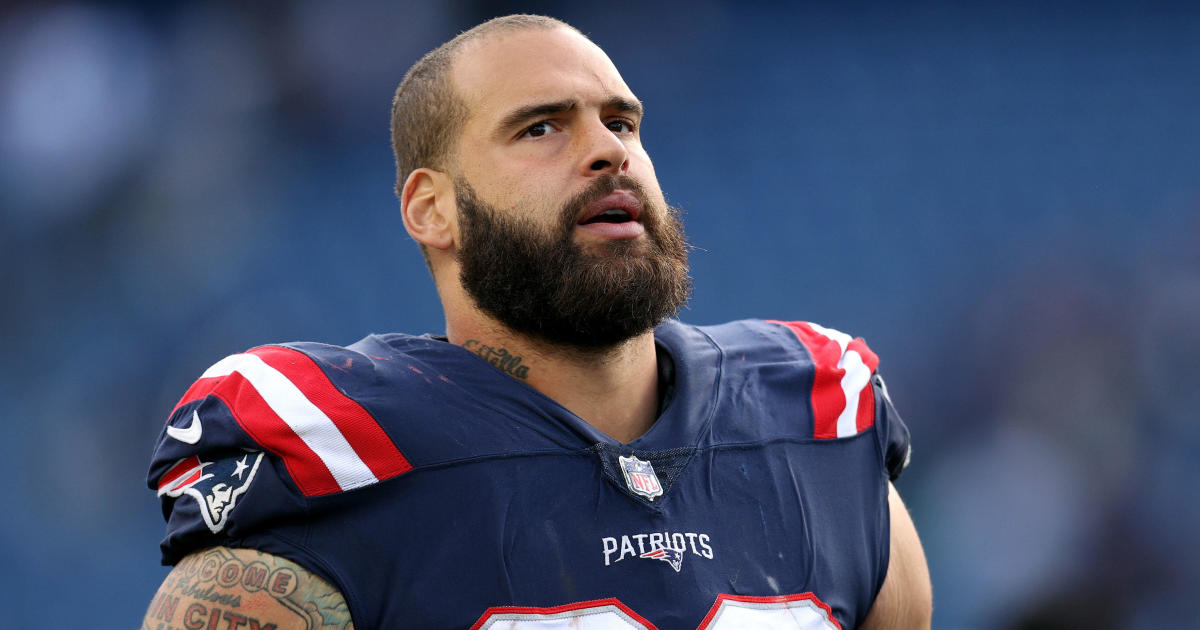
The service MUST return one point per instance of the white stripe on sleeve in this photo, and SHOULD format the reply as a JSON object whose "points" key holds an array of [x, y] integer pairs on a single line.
{"points": [[309, 423]]}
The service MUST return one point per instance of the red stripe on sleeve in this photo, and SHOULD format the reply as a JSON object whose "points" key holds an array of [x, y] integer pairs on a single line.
{"points": [[201, 388], [261, 423], [355, 423], [865, 418], [828, 399], [364, 435]]}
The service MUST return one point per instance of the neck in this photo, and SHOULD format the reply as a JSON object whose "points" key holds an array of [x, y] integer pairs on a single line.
{"points": [[614, 390]]}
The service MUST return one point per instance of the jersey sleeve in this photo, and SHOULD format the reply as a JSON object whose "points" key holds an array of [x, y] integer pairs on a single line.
{"points": [[254, 442], [893, 433], [848, 396]]}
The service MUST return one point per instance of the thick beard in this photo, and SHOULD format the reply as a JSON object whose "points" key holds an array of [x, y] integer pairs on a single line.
{"points": [[545, 286]]}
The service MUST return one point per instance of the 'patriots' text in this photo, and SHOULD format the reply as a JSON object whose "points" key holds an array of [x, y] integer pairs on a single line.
{"points": [[617, 549]]}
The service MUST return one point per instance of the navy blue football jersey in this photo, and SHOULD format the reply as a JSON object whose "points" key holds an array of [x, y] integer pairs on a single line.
{"points": [[436, 491]]}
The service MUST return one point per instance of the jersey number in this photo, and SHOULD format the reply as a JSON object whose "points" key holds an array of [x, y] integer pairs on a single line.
{"points": [[785, 612]]}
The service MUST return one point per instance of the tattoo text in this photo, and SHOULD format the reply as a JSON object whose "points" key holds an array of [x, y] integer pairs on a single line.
{"points": [[499, 357]]}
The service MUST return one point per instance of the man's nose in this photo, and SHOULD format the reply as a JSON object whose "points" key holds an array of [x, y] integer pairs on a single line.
{"points": [[605, 152]]}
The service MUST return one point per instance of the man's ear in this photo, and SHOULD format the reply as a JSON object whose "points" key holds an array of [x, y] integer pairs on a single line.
{"points": [[429, 209]]}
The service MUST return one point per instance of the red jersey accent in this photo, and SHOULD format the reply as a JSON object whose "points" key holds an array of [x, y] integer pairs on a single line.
{"points": [[174, 478], [866, 397], [364, 434], [768, 600], [531, 610], [256, 417], [828, 392]]}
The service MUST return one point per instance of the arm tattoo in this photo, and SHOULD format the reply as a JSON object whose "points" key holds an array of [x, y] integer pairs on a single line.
{"points": [[245, 589], [499, 357]]}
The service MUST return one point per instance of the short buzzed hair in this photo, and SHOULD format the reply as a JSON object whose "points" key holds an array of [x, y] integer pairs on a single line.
{"points": [[427, 114]]}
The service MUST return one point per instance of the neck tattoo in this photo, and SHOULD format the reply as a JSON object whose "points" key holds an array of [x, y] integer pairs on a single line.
{"points": [[498, 357]]}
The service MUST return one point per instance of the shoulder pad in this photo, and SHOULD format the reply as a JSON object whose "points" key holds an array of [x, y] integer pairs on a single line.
{"points": [[843, 399], [285, 402]]}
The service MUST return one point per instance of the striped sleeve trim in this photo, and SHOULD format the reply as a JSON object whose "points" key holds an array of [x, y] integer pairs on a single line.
{"points": [[843, 400], [285, 402]]}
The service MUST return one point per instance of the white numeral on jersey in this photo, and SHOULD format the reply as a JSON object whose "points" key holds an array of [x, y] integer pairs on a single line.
{"points": [[600, 614], [786, 612]]}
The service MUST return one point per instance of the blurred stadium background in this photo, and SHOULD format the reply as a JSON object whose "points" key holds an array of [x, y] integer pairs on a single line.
{"points": [[1003, 198]]}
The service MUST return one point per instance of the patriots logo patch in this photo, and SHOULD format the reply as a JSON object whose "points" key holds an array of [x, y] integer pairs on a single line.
{"points": [[674, 557], [215, 485]]}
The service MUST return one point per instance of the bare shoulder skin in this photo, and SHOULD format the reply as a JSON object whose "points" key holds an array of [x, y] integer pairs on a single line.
{"points": [[245, 589], [905, 602]]}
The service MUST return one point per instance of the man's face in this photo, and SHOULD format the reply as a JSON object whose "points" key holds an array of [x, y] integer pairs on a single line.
{"points": [[548, 113], [564, 234]]}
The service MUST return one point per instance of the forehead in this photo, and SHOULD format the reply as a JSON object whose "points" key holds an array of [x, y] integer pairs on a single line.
{"points": [[509, 70]]}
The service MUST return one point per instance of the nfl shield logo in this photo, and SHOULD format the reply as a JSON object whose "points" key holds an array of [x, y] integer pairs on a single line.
{"points": [[640, 477]]}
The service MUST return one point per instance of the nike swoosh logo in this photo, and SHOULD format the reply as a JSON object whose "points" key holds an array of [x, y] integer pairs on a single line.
{"points": [[191, 434]]}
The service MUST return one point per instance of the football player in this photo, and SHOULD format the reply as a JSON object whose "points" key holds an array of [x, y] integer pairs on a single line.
{"points": [[567, 454]]}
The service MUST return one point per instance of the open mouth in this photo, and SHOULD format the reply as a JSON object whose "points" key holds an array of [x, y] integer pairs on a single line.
{"points": [[612, 215], [616, 215], [619, 206]]}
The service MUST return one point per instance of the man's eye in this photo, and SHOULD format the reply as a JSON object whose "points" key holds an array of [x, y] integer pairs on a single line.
{"points": [[620, 125], [538, 130]]}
